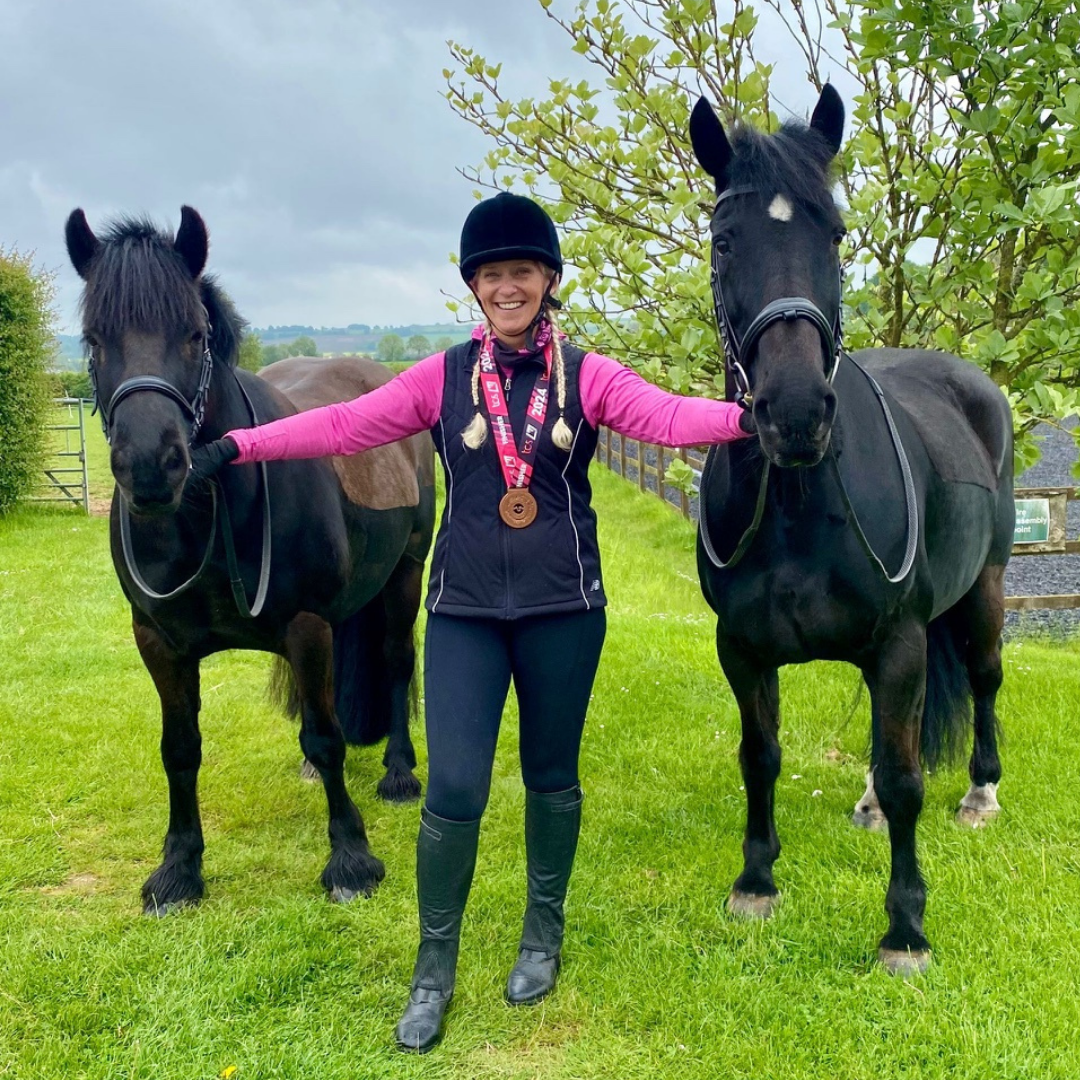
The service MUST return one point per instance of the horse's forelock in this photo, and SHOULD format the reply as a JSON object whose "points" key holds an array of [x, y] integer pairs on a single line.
{"points": [[140, 282], [796, 161]]}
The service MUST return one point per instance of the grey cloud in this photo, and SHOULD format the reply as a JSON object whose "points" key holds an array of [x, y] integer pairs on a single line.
{"points": [[313, 137]]}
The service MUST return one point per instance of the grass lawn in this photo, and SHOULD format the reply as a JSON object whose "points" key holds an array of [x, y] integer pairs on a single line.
{"points": [[267, 979]]}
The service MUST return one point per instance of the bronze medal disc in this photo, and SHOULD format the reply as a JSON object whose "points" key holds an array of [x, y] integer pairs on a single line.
{"points": [[517, 508]]}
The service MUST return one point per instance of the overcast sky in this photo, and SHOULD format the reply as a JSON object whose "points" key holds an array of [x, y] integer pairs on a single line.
{"points": [[312, 136]]}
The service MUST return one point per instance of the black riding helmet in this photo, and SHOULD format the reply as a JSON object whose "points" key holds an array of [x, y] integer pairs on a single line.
{"points": [[508, 227]]}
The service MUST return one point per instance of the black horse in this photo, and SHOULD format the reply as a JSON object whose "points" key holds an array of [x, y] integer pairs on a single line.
{"points": [[870, 522], [319, 562]]}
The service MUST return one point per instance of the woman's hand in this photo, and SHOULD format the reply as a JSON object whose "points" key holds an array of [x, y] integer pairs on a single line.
{"points": [[208, 460]]}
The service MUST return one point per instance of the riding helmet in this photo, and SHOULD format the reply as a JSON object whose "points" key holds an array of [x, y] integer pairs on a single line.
{"points": [[508, 227]]}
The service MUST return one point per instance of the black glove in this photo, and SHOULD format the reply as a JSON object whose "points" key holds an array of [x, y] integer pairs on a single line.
{"points": [[207, 460], [747, 422]]}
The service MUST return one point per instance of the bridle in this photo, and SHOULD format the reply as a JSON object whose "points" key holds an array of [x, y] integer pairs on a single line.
{"points": [[737, 351], [195, 411]]}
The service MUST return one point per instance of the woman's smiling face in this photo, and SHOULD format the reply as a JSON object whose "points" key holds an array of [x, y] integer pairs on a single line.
{"points": [[510, 293]]}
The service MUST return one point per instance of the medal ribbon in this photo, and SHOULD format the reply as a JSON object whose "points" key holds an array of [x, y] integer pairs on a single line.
{"points": [[516, 464]]}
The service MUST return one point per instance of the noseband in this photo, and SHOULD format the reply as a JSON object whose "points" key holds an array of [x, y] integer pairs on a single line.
{"points": [[737, 351], [194, 410]]}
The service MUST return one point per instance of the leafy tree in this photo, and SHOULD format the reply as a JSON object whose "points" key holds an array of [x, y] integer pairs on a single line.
{"points": [[443, 343], [74, 384], [960, 173], [304, 346], [391, 348], [251, 351], [27, 345], [271, 354], [418, 347]]}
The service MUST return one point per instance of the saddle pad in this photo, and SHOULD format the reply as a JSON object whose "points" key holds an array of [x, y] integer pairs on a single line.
{"points": [[385, 478]]}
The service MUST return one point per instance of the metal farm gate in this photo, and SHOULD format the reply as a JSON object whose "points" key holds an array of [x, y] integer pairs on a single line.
{"points": [[66, 478]]}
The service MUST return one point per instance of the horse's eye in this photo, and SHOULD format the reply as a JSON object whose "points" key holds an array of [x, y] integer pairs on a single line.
{"points": [[838, 236], [722, 246], [196, 338]]}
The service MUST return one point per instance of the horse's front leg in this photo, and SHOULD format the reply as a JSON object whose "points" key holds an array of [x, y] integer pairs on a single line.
{"points": [[309, 648], [178, 880], [401, 600], [897, 680], [757, 690]]}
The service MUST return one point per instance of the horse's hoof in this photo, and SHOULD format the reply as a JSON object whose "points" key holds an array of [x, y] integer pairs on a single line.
{"points": [[399, 786], [752, 906], [903, 963], [308, 772], [340, 895], [973, 818], [350, 874], [158, 911], [869, 818], [979, 806]]}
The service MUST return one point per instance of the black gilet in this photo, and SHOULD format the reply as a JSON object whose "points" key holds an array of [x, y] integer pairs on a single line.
{"points": [[484, 568]]}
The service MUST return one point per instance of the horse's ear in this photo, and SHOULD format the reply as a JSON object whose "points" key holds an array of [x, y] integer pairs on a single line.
{"points": [[828, 118], [82, 244], [711, 146], [192, 240]]}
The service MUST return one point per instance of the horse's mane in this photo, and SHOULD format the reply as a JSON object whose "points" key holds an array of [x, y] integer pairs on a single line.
{"points": [[140, 282], [795, 161]]}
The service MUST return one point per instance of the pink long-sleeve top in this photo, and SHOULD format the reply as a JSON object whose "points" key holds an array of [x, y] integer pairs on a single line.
{"points": [[611, 395]]}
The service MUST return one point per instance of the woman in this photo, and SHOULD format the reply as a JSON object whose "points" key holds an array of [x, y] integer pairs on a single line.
{"points": [[515, 586]]}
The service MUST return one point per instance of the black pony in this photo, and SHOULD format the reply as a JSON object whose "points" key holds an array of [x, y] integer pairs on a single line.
{"points": [[870, 521], [318, 561]]}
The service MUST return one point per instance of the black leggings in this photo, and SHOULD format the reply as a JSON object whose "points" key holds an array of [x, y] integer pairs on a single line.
{"points": [[468, 664]]}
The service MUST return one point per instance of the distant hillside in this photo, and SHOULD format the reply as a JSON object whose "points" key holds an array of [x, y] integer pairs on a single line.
{"points": [[358, 337], [354, 338]]}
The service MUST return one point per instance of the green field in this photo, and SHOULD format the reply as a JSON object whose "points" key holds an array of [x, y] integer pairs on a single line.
{"points": [[267, 979]]}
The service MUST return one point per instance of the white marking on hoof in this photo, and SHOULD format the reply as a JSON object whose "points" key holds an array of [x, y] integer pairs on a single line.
{"points": [[979, 806], [341, 895], [780, 209], [904, 964], [749, 906], [309, 772], [868, 813]]}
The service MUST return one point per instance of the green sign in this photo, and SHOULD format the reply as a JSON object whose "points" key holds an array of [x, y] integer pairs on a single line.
{"points": [[1032, 521]]}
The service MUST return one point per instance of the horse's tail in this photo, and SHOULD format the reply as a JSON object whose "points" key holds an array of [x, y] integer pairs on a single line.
{"points": [[362, 683], [947, 713], [282, 690]]}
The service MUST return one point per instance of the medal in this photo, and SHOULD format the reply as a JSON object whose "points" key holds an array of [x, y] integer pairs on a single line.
{"points": [[518, 508]]}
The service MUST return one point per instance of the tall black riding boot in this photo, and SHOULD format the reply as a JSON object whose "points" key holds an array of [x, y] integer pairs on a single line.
{"points": [[552, 823], [445, 860]]}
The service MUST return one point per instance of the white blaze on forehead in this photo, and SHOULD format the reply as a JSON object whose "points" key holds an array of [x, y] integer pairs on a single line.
{"points": [[780, 208]]}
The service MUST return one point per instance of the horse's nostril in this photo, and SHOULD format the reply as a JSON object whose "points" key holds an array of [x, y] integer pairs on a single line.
{"points": [[174, 460], [830, 407]]}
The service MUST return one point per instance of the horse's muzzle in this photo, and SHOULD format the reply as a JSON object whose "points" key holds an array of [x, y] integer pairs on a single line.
{"points": [[151, 483]]}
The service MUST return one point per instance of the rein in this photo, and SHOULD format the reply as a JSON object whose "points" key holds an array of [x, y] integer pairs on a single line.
{"points": [[195, 411], [737, 352]]}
